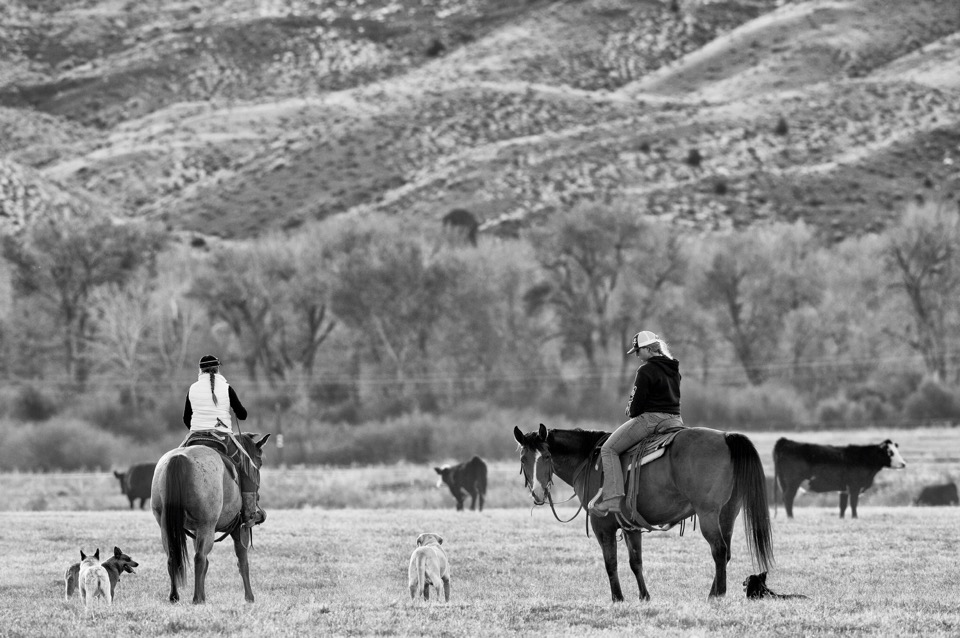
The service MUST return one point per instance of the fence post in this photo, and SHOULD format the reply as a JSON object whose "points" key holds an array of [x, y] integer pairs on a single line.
{"points": [[279, 422]]}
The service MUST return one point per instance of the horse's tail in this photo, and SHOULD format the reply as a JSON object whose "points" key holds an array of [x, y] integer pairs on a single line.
{"points": [[776, 483], [750, 485], [173, 517]]}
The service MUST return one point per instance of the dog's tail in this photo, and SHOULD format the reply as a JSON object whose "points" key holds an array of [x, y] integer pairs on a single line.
{"points": [[172, 517]]}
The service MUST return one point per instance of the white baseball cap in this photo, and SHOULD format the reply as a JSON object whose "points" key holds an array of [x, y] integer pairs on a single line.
{"points": [[641, 339]]}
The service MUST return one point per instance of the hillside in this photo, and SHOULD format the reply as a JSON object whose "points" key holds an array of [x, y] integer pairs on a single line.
{"points": [[233, 118]]}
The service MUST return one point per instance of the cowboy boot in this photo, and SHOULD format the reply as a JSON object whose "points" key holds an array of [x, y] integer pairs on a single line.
{"points": [[251, 514]]}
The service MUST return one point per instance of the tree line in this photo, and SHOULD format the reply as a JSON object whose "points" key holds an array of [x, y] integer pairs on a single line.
{"points": [[359, 319]]}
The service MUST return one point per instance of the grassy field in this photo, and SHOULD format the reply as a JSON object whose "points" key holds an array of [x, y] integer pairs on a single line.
{"points": [[343, 572], [932, 454], [332, 557]]}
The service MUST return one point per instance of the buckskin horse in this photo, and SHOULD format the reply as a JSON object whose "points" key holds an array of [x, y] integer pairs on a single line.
{"points": [[194, 492], [705, 472]]}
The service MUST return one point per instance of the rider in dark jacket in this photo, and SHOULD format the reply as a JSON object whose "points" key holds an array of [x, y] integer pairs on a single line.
{"points": [[655, 398]]}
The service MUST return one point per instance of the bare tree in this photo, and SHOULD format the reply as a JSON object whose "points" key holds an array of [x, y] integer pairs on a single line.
{"points": [[923, 259]]}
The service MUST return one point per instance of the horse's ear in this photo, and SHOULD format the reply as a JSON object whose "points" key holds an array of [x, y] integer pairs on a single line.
{"points": [[543, 432], [518, 435], [260, 443], [82, 555], [96, 554]]}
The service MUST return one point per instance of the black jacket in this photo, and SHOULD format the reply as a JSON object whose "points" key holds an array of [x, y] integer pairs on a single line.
{"points": [[656, 388]]}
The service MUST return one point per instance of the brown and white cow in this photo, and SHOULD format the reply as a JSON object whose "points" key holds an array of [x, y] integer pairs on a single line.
{"points": [[848, 469]]}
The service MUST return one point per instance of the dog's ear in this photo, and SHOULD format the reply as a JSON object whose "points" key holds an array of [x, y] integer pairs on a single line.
{"points": [[82, 555], [96, 554], [420, 540], [763, 577], [117, 552]]}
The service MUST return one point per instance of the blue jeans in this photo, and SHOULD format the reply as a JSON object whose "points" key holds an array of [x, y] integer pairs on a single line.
{"points": [[622, 439]]}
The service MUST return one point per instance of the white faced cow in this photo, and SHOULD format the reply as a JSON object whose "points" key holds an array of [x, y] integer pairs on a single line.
{"points": [[848, 469]]}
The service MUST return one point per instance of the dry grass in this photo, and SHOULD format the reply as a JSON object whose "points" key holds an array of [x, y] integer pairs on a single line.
{"points": [[319, 572], [931, 454]]}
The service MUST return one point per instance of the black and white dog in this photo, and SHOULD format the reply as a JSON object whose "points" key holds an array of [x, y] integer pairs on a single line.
{"points": [[756, 587]]}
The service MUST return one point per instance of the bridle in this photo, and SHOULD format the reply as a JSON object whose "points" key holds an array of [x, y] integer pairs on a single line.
{"points": [[546, 482]]}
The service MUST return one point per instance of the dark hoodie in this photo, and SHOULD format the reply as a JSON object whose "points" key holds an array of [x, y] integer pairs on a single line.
{"points": [[657, 387]]}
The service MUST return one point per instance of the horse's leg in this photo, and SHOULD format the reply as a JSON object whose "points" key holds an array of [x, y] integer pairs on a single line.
{"points": [[843, 504], [634, 551], [201, 563], [728, 519], [711, 529], [242, 562], [606, 534], [171, 568]]}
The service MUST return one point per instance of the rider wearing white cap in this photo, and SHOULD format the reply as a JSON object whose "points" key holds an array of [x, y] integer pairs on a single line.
{"points": [[655, 398]]}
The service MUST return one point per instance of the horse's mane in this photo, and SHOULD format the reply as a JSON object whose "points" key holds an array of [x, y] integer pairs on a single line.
{"points": [[573, 441]]}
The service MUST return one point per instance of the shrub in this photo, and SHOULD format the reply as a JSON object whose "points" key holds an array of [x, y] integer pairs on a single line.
{"points": [[782, 128], [764, 407], [932, 402], [30, 404], [60, 444]]}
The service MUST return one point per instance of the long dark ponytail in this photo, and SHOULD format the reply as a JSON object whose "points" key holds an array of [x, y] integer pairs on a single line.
{"points": [[211, 365]]}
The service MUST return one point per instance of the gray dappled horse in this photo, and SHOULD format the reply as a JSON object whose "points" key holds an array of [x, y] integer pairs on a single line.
{"points": [[193, 490], [705, 472]]}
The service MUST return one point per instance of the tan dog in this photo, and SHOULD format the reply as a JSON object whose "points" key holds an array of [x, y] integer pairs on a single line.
{"points": [[117, 564], [93, 579], [428, 566]]}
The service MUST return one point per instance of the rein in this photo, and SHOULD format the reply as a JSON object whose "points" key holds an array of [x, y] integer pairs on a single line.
{"points": [[576, 474]]}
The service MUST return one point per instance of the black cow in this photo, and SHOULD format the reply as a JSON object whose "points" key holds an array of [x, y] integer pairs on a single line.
{"points": [[945, 494], [135, 482], [829, 468], [469, 477]]}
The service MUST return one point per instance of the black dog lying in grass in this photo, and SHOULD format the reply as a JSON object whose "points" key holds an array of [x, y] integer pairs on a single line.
{"points": [[756, 587]]}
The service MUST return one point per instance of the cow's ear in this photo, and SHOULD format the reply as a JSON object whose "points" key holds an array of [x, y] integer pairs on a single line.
{"points": [[118, 475], [261, 442], [438, 470], [543, 432], [518, 435]]}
